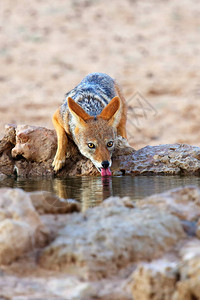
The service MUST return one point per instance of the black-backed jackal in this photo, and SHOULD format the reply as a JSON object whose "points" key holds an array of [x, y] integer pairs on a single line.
{"points": [[93, 114]]}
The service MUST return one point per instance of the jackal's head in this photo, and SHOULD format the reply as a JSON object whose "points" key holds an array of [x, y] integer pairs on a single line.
{"points": [[95, 136]]}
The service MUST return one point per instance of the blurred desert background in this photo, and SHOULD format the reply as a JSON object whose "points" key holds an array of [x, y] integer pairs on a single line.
{"points": [[151, 47]]}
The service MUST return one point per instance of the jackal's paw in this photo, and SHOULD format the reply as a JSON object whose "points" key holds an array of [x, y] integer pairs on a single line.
{"points": [[58, 163]]}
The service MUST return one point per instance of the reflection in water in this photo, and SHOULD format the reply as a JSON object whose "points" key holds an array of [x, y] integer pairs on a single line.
{"points": [[92, 191]]}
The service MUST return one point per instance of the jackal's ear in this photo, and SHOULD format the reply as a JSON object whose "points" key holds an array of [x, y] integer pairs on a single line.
{"points": [[112, 112], [77, 112]]}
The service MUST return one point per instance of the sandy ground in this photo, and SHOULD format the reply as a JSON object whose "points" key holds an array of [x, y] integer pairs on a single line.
{"points": [[151, 47]]}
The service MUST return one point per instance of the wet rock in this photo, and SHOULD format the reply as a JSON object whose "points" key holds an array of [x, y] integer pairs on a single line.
{"points": [[182, 202], [155, 280], [101, 242], [20, 225], [188, 287], [28, 151], [47, 203]]}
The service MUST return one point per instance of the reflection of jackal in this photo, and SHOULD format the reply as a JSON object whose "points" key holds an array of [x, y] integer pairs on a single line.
{"points": [[93, 114]]}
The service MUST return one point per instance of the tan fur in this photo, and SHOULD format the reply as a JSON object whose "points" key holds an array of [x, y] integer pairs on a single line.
{"points": [[121, 128], [105, 134], [76, 130], [113, 116]]}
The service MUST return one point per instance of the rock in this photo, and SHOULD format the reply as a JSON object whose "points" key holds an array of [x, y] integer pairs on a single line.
{"points": [[114, 289], [166, 280], [60, 287], [28, 151], [164, 159], [155, 280], [77, 289], [47, 203], [198, 229], [182, 202], [36, 144], [188, 287], [117, 201], [190, 227], [15, 239], [101, 242], [2, 176], [73, 288], [25, 287], [20, 225], [6, 144]]}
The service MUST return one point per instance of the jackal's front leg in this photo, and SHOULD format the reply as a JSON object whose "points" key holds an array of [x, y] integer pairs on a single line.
{"points": [[121, 129], [62, 141]]}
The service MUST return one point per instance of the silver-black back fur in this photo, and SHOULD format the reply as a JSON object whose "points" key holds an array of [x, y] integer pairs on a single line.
{"points": [[93, 93]]}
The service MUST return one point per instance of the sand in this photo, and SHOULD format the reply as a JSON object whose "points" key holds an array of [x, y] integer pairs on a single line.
{"points": [[151, 47]]}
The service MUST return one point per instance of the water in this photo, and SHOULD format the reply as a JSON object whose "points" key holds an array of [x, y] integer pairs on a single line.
{"points": [[93, 190]]}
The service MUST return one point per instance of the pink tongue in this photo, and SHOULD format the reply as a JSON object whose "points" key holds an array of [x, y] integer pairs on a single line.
{"points": [[106, 172]]}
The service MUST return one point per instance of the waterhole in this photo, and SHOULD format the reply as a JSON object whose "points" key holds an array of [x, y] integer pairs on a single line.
{"points": [[91, 191]]}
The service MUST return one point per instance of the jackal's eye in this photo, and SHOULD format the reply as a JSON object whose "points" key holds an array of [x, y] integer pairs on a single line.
{"points": [[91, 145], [110, 144]]}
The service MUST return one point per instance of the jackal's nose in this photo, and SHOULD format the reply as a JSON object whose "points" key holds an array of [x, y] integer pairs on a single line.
{"points": [[105, 164]]}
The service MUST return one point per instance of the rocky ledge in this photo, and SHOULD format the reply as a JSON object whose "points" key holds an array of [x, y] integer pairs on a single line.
{"points": [[28, 151], [119, 250]]}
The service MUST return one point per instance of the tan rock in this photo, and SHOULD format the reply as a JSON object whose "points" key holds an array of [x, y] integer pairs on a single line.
{"points": [[188, 287], [77, 289], [16, 204], [182, 202], [198, 229], [47, 203], [165, 280], [102, 241], [15, 240], [73, 288], [20, 225], [155, 280], [117, 201], [163, 159], [6, 144], [34, 143]]}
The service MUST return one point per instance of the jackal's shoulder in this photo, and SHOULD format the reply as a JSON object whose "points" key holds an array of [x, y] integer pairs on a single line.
{"points": [[94, 84], [93, 93]]}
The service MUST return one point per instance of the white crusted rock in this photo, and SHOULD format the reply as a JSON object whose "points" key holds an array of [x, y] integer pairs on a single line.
{"points": [[155, 280], [188, 286], [104, 240], [20, 226], [182, 202]]}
